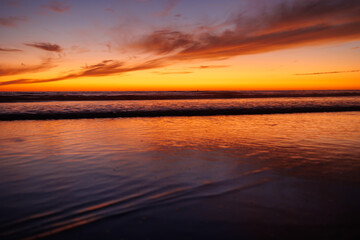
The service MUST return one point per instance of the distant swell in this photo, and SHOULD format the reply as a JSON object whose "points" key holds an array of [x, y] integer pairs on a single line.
{"points": [[174, 112], [6, 97]]}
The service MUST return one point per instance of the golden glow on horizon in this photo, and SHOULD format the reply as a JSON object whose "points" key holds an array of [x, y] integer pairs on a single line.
{"points": [[270, 71]]}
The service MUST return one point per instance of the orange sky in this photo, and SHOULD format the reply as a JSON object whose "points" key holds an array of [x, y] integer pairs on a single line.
{"points": [[170, 45]]}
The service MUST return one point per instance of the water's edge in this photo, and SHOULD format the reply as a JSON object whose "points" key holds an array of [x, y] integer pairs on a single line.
{"points": [[175, 112]]}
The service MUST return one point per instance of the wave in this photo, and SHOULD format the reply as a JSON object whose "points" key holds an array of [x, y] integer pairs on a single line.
{"points": [[165, 95], [108, 205], [174, 112]]}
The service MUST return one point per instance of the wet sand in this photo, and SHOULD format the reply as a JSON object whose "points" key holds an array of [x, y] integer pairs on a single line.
{"points": [[278, 176]]}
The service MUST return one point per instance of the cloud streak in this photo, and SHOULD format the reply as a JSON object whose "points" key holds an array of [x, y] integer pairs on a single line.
{"points": [[10, 50], [11, 21], [321, 73], [8, 71], [211, 66], [45, 46]]}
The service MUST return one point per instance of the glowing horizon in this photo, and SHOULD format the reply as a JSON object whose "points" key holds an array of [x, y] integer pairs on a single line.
{"points": [[179, 45]]}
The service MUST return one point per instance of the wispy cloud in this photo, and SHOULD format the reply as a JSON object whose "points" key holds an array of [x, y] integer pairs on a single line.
{"points": [[104, 68], [11, 21], [320, 73], [78, 49], [109, 10], [170, 5], [57, 6], [45, 65], [10, 50], [164, 41], [45, 46]]}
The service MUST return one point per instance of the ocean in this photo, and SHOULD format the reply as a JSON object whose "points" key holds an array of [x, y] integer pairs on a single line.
{"points": [[180, 165]]}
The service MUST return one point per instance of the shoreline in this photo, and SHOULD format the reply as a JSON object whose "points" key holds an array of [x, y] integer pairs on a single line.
{"points": [[175, 113]]}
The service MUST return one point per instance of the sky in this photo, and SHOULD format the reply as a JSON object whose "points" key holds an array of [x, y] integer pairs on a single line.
{"points": [[119, 45]]}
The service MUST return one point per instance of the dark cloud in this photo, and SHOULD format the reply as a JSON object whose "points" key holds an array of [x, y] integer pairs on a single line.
{"points": [[45, 65], [320, 73], [45, 46], [302, 14], [229, 44], [10, 50], [287, 25], [11, 21], [104, 68], [58, 7]]}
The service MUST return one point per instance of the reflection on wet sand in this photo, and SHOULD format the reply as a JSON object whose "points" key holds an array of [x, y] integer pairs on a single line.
{"points": [[223, 176]]}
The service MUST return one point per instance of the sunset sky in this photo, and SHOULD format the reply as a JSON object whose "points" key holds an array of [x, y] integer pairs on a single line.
{"points": [[179, 45]]}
